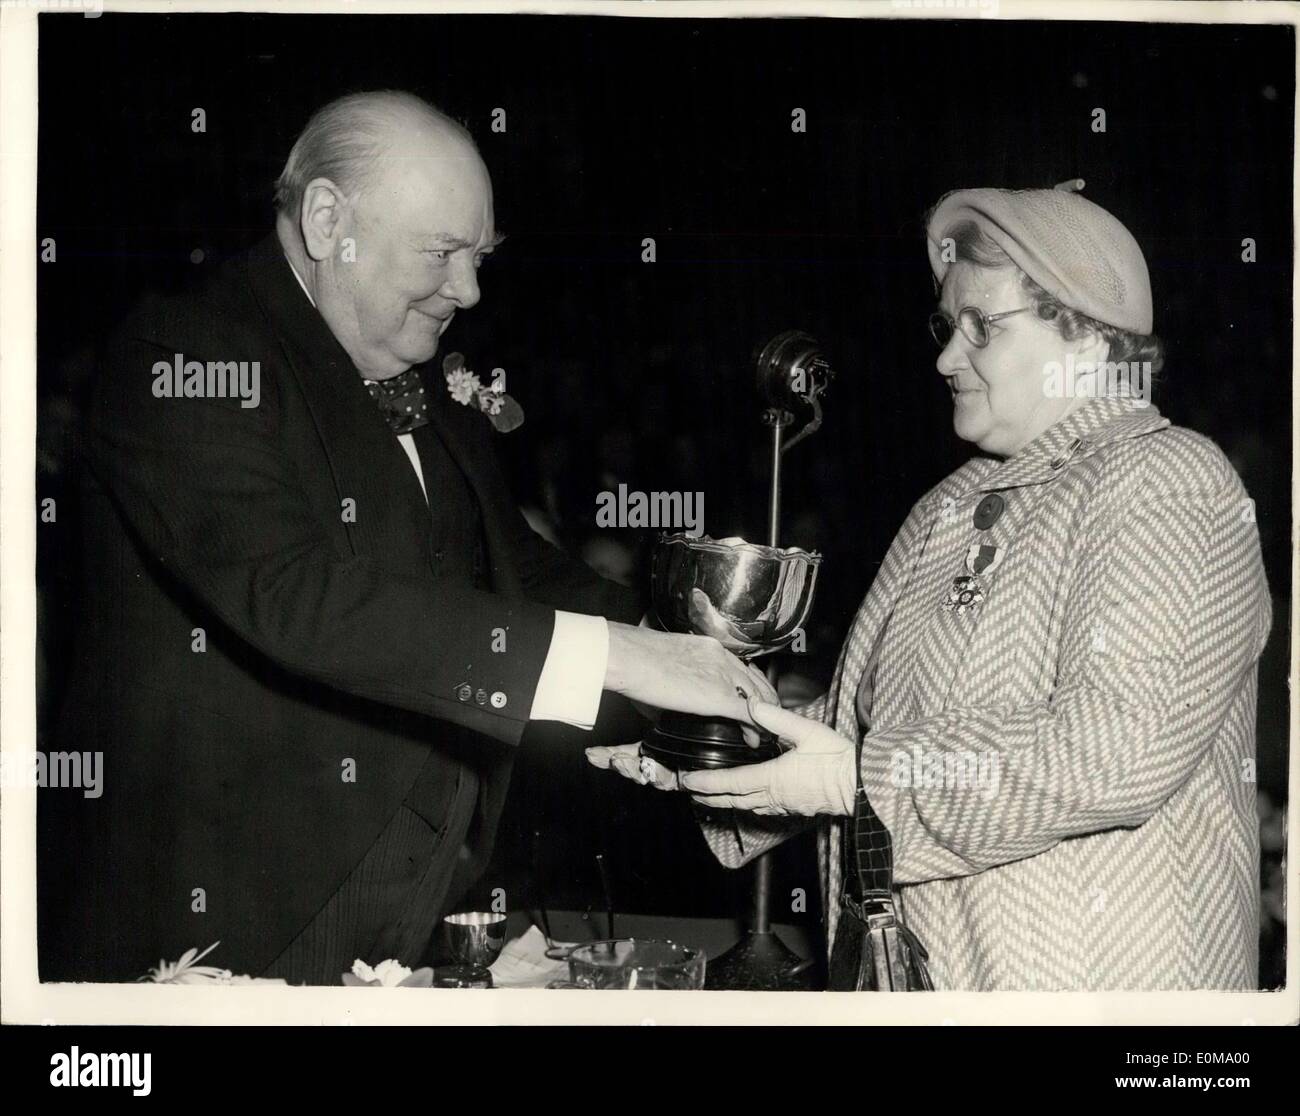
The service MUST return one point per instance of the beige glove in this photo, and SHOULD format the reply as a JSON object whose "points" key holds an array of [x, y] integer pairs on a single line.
{"points": [[817, 776]]}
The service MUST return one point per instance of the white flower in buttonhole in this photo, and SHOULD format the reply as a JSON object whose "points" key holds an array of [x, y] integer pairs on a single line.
{"points": [[463, 385], [489, 400]]}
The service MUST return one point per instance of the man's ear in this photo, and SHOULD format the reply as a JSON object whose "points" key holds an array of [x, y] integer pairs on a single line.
{"points": [[324, 209]]}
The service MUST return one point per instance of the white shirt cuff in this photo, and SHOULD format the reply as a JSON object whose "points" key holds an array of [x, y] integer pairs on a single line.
{"points": [[573, 675]]}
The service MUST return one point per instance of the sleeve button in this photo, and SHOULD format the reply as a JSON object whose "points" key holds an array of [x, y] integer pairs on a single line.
{"points": [[480, 697], [498, 699], [464, 692]]}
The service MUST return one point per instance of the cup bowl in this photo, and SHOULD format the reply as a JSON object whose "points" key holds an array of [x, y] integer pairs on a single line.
{"points": [[762, 594], [475, 937]]}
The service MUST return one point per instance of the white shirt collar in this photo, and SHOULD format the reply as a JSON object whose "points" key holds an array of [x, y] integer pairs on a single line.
{"points": [[313, 302], [300, 282]]}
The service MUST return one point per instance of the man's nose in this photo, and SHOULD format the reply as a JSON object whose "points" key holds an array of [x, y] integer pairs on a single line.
{"points": [[461, 285]]}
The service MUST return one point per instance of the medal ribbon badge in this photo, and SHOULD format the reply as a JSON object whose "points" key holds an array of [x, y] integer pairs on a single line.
{"points": [[967, 590]]}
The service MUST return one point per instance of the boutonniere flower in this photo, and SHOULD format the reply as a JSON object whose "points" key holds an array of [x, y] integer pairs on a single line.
{"points": [[387, 974], [463, 385]]}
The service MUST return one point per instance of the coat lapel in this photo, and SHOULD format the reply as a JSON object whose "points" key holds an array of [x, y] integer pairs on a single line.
{"points": [[939, 660], [1093, 425]]}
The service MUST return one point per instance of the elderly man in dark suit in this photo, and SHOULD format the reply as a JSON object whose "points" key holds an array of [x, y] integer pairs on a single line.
{"points": [[315, 625]]}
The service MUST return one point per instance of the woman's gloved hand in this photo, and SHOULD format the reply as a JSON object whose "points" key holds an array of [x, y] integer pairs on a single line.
{"points": [[627, 760], [818, 775]]}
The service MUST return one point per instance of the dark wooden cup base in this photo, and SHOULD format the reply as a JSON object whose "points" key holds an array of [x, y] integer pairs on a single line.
{"points": [[681, 742]]}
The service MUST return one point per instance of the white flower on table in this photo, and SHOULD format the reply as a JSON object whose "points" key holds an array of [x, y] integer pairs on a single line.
{"points": [[188, 971], [389, 973]]}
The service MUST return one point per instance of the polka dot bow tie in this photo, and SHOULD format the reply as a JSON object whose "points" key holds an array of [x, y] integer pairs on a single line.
{"points": [[402, 400]]}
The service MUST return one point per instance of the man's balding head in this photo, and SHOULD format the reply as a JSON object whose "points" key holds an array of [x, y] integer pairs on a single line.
{"points": [[350, 140], [385, 211]]}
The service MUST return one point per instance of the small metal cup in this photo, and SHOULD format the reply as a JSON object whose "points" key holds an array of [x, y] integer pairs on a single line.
{"points": [[475, 939]]}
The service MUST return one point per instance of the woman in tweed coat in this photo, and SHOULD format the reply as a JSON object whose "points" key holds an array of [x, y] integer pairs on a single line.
{"points": [[1052, 679]]}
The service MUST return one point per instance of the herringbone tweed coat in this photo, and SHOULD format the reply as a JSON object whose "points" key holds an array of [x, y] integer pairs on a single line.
{"points": [[1066, 769]]}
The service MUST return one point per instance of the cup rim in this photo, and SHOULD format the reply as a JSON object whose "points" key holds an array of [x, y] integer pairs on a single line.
{"points": [[705, 542], [474, 918]]}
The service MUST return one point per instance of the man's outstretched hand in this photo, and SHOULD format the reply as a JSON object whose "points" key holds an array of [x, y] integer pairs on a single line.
{"points": [[684, 673]]}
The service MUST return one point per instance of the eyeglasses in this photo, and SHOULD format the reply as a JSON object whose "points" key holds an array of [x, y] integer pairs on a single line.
{"points": [[971, 320]]}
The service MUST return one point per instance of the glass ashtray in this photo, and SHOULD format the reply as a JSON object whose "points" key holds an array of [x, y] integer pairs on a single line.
{"points": [[632, 963]]}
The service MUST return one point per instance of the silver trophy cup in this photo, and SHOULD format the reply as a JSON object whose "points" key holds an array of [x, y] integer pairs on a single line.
{"points": [[753, 599]]}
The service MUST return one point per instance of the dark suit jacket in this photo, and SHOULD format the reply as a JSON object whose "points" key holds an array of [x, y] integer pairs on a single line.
{"points": [[331, 646]]}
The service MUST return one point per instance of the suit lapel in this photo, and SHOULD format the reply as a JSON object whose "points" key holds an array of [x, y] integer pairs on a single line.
{"points": [[366, 462], [462, 433]]}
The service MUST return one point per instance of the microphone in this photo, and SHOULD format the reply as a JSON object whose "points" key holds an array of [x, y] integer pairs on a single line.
{"points": [[792, 371]]}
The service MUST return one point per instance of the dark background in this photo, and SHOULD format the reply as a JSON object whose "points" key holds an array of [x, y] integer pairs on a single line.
{"points": [[619, 129]]}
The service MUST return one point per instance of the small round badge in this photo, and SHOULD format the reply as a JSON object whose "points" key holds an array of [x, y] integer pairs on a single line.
{"points": [[988, 511]]}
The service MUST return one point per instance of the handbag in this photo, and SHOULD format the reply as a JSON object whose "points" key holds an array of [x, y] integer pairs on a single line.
{"points": [[874, 951]]}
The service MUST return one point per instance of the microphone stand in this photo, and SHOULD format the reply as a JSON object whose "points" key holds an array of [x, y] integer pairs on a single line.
{"points": [[791, 369]]}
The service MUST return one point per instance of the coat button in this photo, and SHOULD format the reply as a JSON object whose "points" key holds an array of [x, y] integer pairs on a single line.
{"points": [[988, 511], [464, 691], [498, 699], [480, 697]]}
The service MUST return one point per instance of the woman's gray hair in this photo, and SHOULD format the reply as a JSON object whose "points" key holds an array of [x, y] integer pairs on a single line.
{"points": [[971, 245], [344, 142]]}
